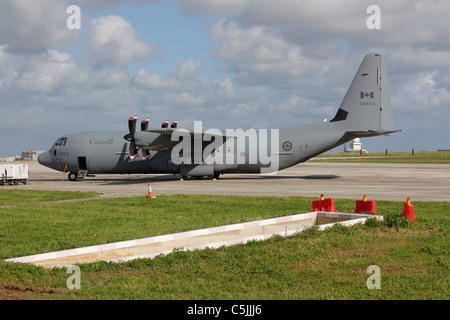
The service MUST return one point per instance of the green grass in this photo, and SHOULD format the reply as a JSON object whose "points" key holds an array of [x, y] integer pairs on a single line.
{"points": [[20, 197], [439, 157], [332, 264]]}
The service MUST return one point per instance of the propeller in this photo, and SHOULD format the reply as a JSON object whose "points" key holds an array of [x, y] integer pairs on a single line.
{"points": [[144, 127], [130, 137]]}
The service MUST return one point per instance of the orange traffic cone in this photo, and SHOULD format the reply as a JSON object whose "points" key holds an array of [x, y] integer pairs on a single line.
{"points": [[150, 192]]}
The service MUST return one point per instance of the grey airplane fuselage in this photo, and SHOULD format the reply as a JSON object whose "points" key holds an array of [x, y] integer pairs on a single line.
{"points": [[107, 152]]}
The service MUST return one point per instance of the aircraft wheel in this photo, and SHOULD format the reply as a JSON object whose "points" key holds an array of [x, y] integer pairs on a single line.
{"points": [[204, 177], [72, 176]]}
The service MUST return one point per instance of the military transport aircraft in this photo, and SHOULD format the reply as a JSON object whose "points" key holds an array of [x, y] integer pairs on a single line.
{"points": [[365, 111]]}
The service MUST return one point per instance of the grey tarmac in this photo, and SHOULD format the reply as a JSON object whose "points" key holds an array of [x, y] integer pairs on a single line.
{"points": [[420, 182]]}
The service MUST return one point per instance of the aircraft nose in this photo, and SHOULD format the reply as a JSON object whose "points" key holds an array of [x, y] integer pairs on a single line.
{"points": [[45, 158]]}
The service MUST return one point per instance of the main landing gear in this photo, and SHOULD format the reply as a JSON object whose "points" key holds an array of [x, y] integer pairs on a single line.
{"points": [[215, 176]]}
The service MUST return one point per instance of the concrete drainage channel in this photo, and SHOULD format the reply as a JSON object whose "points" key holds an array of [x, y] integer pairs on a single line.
{"points": [[194, 240]]}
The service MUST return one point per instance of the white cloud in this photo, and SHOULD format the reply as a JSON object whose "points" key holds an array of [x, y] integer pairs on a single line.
{"points": [[216, 7], [408, 59], [422, 96], [109, 3], [189, 68], [185, 76], [419, 22], [34, 26], [260, 56], [183, 88], [42, 73], [112, 41]]}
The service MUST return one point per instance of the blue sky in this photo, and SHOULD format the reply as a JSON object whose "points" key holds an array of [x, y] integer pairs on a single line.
{"points": [[229, 63], [180, 35]]}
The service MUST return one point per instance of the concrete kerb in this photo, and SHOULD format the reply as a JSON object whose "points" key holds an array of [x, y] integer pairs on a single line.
{"points": [[214, 237]]}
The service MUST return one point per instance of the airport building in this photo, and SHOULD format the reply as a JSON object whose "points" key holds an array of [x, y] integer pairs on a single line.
{"points": [[30, 155]]}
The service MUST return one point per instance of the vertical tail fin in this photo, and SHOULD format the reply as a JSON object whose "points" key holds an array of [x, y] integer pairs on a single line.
{"points": [[367, 105]]}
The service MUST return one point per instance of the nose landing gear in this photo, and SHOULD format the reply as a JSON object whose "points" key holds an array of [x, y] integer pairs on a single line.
{"points": [[75, 176]]}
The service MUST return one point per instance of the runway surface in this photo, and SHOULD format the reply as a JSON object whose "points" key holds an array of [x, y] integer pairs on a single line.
{"points": [[420, 182]]}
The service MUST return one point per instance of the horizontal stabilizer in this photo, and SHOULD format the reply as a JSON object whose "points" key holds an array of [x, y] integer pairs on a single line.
{"points": [[370, 133]]}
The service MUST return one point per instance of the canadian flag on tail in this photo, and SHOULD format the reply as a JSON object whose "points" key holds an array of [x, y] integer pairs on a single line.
{"points": [[363, 95]]}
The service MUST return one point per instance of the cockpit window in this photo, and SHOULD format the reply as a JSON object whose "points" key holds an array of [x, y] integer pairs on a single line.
{"points": [[60, 142]]}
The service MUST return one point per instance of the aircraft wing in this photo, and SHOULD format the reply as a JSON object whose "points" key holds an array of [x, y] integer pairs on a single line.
{"points": [[165, 142], [166, 131], [205, 136]]}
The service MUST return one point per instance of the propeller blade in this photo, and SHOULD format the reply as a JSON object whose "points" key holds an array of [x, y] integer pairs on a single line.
{"points": [[144, 124], [132, 124], [145, 154], [133, 150]]}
